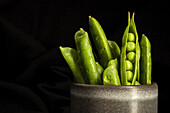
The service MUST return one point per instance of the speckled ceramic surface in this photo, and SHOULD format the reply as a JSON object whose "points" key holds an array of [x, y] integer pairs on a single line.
{"points": [[114, 99]]}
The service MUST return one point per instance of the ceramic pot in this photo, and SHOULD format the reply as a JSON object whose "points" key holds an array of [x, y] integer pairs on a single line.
{"points": [[114, 99]]}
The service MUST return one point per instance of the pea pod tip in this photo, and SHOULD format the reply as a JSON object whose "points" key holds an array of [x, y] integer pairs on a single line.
{"points": [[60, 47]]}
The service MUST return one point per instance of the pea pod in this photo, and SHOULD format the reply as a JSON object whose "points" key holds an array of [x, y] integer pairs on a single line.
{"points": [[137, 83], [114, 62], [146, 62], [138, 52], [110, 74], [115, 50], [86, 57], [132, 29], [129, 52], [100, 42], [70, 55], [123, 57], [100, 70]]}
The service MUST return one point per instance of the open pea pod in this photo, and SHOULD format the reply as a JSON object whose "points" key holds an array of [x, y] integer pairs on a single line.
{"points": [[100, 41], [70, 55], [133, 30], [123, 57], [86, 57], [129, 53]]}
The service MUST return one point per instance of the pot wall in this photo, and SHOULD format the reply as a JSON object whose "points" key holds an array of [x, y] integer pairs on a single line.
{"points": [[114, 99]]}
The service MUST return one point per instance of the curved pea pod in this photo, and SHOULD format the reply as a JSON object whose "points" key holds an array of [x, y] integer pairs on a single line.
{"points": [[70, 55], [146, 62], [115, 50], [110, 75], [100, 41], [86, 57]]}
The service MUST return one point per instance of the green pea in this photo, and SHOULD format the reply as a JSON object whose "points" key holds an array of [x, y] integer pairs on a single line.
{"points": [[131, 46], [129, 75], [129, 65], [131, 37], [131, 56]]}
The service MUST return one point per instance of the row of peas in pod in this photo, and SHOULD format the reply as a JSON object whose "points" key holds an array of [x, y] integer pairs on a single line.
{"points": [[130, 54], [109, 65]]}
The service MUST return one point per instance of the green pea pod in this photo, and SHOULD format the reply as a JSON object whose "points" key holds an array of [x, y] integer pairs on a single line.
{"points": [[146, 63], [86, 57], [70, 55], [110, 75], [100, 70], [138, 52], [115, 50], [137, 83], [129, 51], [132, 29], [100, 41], [123, 57], [114, 62]]}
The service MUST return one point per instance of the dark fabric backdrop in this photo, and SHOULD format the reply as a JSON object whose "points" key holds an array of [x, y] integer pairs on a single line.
{"points": [[36, 79]]}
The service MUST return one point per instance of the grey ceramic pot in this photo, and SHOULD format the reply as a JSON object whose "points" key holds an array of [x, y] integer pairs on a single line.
{"points": [[114, 99]]}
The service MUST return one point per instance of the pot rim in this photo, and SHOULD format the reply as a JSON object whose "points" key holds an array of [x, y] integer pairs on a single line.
{"points": [[117, 86]]}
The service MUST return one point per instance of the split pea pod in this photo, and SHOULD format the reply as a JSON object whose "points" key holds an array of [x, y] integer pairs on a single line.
{"points": [[86, 57], [100, 41], [146, 61], [129, 53], [110, 74], [133, 30], [123, 57], [70, 55]]}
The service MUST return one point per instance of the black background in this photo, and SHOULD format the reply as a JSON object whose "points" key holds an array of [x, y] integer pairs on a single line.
{"points": [[36, 79]]}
